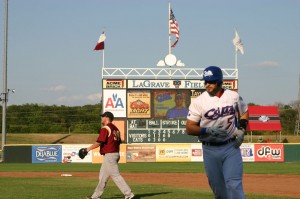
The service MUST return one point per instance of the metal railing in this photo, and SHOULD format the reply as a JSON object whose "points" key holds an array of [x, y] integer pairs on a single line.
{"points": [[162, 73]]}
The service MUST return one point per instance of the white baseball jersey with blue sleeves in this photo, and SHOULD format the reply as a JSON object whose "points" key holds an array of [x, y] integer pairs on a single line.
{"points": [[213, 111]]}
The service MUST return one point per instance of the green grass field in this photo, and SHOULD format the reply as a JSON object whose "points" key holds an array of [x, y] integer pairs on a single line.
{"points": [[184, 167], [75, 187]]}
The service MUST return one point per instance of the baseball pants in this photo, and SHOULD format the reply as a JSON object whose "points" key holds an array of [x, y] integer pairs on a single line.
{"points": [[110, 168], [224, 169]]}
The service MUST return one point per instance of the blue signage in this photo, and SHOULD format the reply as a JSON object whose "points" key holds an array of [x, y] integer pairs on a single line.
{"points": [[46, 154]]}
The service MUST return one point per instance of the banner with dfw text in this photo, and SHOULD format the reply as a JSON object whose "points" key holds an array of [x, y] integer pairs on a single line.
{"points": [[269, 153]]}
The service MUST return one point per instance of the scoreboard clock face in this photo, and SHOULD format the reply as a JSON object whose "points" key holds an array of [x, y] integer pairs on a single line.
{"points": [[170, 60]]}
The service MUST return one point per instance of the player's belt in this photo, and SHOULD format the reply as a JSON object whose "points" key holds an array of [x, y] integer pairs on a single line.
{"points": [[218, 143]]}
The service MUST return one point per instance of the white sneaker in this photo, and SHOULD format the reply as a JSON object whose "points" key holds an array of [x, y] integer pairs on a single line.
{"points": [[130, 196]]}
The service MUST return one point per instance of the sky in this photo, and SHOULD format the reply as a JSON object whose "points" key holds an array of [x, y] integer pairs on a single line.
{"points": [[51, 61]]}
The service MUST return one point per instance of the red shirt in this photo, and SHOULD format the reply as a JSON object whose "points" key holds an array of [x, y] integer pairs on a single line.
{"points": [[109, 138]]}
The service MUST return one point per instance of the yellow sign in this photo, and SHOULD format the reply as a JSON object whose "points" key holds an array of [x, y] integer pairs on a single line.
{"points": [[173, 152], [97, 158]]}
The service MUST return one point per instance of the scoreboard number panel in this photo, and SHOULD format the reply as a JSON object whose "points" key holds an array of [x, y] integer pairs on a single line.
{"points": [[157, 131]]}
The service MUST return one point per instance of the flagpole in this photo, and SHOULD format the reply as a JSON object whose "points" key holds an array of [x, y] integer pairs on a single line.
{"points": [[4, 92], [169, 27], [102, 63], [236, 50], [100, 46], [169, 15], [103, 59]]}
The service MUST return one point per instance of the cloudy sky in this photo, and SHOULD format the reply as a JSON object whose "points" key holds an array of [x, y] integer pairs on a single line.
{"points": [[51, 58]]}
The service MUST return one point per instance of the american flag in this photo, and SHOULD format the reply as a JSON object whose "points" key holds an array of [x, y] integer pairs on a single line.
{"points": [[174, 28]]}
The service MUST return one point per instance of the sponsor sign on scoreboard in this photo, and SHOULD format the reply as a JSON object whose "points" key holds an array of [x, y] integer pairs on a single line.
{"points": [[114, 83], [114, 100], [139, 104]]}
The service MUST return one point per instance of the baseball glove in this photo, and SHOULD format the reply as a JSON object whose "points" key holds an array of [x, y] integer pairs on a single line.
{"points": [[82, 153], [214, 131], [239, 137]]}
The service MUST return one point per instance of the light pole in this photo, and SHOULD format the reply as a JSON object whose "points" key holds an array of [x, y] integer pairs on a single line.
{"points": [[4, 99], [5, 91]]}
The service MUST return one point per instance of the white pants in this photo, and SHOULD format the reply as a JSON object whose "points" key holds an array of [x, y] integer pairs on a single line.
{"points": [[110, 168]]}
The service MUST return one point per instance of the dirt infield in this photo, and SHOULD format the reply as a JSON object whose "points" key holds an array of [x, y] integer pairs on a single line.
{"points": [[280, 185]]}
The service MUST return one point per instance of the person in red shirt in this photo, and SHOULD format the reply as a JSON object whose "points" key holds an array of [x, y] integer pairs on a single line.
{"points": [[109, 141]]}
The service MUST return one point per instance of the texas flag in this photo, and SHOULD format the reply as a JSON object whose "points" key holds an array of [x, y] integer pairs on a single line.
{"points": [[100, 43]]}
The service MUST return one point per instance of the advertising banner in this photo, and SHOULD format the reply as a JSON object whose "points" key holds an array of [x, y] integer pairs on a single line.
{"points": [[97, 158], [138, 104], [173, 153], [269, 152], [121, 126], [247, 151], [47, 154], [114, 100], [231, 84], [114, 83], [70, 154], [140, 153], [197, 153]]}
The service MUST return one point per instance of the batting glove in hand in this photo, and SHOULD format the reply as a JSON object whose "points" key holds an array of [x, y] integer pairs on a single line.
{"points": [[214, 131], [82, 153], [239, 137]]}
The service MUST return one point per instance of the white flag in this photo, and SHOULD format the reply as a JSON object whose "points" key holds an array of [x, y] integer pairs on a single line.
{"points": [[237, 42]]}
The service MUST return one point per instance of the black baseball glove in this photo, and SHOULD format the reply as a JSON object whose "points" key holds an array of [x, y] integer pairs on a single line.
{"points": [[82, 153]]}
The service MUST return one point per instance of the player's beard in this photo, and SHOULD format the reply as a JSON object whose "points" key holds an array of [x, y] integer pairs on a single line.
{"points": [[213, 90]]}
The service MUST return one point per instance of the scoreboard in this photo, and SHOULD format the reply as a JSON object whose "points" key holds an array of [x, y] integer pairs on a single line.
{"points": [[158, 131], [153, 111]]}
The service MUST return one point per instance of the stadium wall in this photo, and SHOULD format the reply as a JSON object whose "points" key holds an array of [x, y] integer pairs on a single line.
{"points": [[189, 152]]}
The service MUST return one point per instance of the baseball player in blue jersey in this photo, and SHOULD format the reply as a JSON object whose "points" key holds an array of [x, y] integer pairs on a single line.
{"points": [[213, 117]]}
